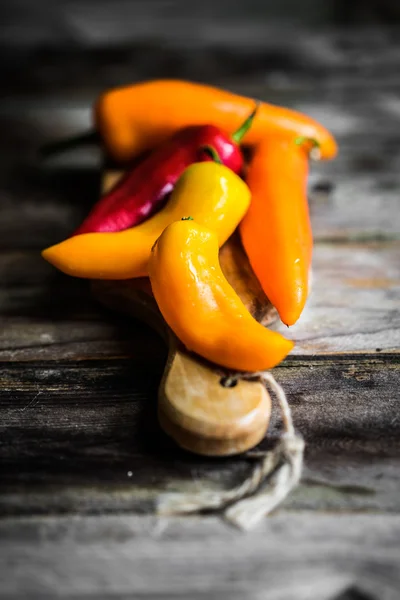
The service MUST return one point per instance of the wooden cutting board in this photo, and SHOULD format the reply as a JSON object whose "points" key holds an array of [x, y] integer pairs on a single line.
{"points": [[203, 407]]}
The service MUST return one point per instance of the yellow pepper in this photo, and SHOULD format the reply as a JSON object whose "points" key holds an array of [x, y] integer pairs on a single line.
{"points": [[209, 192], [202, 308]]}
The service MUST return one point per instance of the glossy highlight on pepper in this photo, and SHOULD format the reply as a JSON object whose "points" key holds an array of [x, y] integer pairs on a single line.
{"points": [[139, 117], [201, 307], [211, 193]]}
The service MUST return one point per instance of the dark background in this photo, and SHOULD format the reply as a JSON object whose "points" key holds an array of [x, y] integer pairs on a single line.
{"points": [[96, 22]]}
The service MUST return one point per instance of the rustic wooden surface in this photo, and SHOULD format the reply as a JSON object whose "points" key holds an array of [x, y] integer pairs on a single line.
{"points": [[82, 459]]}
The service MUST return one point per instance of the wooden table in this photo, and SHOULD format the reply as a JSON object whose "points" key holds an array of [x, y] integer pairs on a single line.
{"points": [[81, 456]]}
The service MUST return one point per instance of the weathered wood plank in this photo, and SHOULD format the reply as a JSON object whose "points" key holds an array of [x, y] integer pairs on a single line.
{"points": [[40, 207], [47, 316], [358, 208], [89, 22], [247, 43], [353, 307], [80, 436], [303, 556], [354, 302], [83, 436]]}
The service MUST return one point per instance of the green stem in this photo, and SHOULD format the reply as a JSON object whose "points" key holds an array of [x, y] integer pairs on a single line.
{"points": [[187, 219], [213, 153], [315, 152], [299, 141], [243, 129], [85, 138]]}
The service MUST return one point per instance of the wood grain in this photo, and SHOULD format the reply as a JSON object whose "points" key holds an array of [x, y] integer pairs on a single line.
{"points": [[321, 557], [79, 441], [71, 432], [354, 304], [353, 307]]}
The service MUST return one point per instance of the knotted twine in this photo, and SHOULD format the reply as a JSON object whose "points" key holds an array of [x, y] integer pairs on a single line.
{"points": [[274, 474]]}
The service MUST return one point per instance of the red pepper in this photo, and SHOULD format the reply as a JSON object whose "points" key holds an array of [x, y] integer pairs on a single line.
{"points": [[144, 189]]}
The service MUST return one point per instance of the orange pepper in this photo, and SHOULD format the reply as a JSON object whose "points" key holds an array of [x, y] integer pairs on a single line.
{"points": [[202, 308], [276, 231], [211, 192], [139, 117]]}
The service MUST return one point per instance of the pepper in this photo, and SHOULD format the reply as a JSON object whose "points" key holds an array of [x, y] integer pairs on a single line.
{"points": [[139, 117], [276, 231], [144, 189], [202, 308], [213, 194]]}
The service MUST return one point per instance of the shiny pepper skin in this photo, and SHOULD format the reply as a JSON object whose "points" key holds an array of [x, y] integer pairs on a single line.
{"points": [[202, 308], [139, 117], [276, 231], [209, 192], [143, 189]]}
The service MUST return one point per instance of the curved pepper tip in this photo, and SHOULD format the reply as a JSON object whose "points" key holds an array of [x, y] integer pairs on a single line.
{"points": [[270, 360], [49, 254], [286, 347], [290, 317], [330, 149], [54, 255], [46, 253]]}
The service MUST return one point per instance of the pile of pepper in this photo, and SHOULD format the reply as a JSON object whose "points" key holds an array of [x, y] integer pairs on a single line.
{"points": [[168, 216]]}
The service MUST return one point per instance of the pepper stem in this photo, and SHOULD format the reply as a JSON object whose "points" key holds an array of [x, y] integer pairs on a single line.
{"points": [[315, 151], [187, 219], [243, 129], [213, 153], [87, 137]]}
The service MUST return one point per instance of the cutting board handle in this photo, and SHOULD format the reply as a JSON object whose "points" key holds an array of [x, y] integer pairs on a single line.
{"points": [[204, 408]]}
